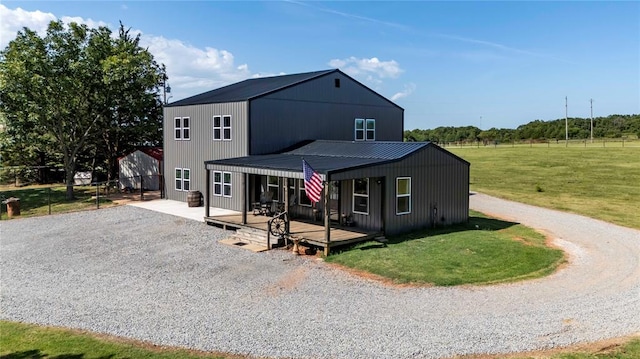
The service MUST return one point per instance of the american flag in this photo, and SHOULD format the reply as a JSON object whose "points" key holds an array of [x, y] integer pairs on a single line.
{"points": [[312, 182]]}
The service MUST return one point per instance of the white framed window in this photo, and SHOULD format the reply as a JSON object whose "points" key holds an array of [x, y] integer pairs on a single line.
{"points": [[371, 130], [303, 200], [359, 129], [222, 184], [226, 184], [403, 195], [273, 187], [361, 196], [365, 129], [222, 128], [183, 179], [181, 128], [226, 128]]}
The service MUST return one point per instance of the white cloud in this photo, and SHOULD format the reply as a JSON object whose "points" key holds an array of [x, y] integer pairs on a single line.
{"points": [[373, 69], [190, 69], [408, 90], [16, 19]]}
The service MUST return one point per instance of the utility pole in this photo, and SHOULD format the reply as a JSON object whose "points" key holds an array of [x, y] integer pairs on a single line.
{"points": [[591, 100], [566, 122]]}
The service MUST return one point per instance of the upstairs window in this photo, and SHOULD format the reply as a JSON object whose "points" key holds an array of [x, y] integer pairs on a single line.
{"points": [[371, 129], [365, 129], [181, 128], [222, 128]]}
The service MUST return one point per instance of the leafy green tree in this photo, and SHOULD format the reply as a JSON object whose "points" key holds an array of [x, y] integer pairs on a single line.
{"points": [[66, 91]]}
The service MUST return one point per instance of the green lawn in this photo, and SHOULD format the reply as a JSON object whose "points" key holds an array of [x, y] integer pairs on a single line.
{"points": [[28, 341], [35, 200], [601, 183], [22, 341], [483, 251]]}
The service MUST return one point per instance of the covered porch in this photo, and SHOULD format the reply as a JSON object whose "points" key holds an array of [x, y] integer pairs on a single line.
{"points": [[305, 231]]}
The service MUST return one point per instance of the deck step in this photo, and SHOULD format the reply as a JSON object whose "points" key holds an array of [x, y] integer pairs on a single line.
{"points": [[251, 235]]}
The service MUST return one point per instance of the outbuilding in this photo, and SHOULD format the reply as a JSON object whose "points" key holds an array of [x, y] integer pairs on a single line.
{"points": [[141, 168]]}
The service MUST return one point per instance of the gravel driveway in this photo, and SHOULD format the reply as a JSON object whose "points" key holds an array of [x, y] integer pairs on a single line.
{"points": [[136, 273]]}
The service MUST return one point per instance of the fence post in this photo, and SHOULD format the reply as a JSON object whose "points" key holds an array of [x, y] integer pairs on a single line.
{"points": [[97, 195], [49, 199], [141, 192]]}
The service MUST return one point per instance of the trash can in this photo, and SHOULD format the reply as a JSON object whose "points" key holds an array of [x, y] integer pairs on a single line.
{"points": [[194, 199], [13, 206]]}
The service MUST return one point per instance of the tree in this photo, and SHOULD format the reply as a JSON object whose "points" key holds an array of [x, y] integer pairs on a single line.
{"points": [[64, 91]]}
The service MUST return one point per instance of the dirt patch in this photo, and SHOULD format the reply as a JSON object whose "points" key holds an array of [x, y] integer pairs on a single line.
{"points": [[124, 198], [288, 282]]}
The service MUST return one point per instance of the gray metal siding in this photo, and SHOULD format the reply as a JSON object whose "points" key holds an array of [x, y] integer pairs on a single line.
{"points": [[201, 147], [318, 110], [438, 179], [372, 221]]}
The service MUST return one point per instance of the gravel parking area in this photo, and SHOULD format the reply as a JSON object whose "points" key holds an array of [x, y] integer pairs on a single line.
{"points": [[141, 274]]}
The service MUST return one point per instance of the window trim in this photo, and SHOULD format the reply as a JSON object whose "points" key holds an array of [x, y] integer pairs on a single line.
{"points": [[223, 184], [357, 130], [276, 197], [182, 179], [367, 130], [398, 195], [219, 128], [180, 128], [354, 195], [222, 128], [302, 194]]}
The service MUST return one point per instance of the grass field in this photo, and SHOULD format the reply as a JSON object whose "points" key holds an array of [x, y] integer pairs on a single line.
{"points": [[483, 251], [27, 341], [598, 182], [38, 200]]}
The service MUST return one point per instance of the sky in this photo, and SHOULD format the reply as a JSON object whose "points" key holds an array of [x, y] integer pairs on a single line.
{"points": [[480, 63]]}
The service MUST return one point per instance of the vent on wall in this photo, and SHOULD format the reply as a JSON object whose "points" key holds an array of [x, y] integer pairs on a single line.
{"points": [[336, 82]]}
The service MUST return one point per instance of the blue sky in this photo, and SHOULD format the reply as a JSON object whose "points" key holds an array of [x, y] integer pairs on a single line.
{"points": [[486, 64]]}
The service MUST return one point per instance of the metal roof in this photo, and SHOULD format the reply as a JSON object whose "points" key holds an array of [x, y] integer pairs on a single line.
{"points": [[327, 156], [249, 89]]}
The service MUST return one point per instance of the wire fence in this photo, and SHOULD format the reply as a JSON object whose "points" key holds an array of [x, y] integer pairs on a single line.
{"points": [[38, 199], [585, 143]]}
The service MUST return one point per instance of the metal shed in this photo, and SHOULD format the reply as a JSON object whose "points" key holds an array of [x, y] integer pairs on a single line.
{"points": [[142, 165]]}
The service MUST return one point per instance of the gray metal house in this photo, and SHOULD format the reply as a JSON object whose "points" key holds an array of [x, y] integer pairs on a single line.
{"points": [[242, 146], [381, 188], [267, 115]]}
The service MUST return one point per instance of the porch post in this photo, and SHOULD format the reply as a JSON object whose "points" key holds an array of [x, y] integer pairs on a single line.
{"points": [[327, 222], [245, 196], [206, 192]]}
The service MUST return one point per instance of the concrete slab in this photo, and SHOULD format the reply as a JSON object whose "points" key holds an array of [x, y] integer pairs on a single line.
{"points": [[180, 209]]}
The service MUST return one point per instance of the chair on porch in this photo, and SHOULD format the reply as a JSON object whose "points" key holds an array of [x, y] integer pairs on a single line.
{"points": [[264, 207]]}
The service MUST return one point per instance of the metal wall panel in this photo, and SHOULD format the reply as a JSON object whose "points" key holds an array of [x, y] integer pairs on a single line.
{"points": [[438, 180], [318, 110], [201, 147]]}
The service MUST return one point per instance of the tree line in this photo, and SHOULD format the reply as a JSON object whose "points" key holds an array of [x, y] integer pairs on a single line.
{"points": [[78, 96], [613, 126]]}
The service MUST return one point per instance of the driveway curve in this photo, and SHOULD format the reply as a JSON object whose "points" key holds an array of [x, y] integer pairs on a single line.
{"points": [[136, 273]]}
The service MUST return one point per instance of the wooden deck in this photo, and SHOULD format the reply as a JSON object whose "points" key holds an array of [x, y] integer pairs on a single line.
{"points": [[307, 232]]}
